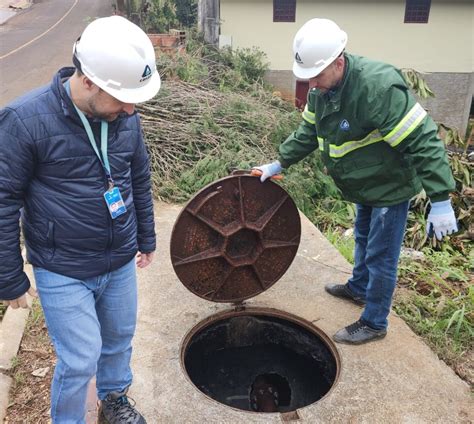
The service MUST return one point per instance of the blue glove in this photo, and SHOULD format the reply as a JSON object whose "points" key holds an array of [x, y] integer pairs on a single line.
{"points": [[441, 219], [269, 170]]}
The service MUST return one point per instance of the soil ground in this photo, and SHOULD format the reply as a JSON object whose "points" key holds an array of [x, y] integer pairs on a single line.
{"points": [[29, 394]]}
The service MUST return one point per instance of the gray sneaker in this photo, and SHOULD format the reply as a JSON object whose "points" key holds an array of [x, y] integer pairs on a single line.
{"points": [[116, 409], [358, 333], [343, 291]]}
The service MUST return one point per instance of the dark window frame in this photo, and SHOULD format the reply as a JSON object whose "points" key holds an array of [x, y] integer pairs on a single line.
{"points": [[417, 11], [284, 10]]}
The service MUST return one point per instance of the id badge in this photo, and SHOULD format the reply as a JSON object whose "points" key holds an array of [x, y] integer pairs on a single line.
{"points": [[115, 203]]}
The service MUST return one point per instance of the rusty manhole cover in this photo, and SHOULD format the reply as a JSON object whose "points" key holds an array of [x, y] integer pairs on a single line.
{"points": [[235, 238]]}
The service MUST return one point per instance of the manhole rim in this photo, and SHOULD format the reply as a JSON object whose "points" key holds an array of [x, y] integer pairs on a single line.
{"points": [[262, 311]]}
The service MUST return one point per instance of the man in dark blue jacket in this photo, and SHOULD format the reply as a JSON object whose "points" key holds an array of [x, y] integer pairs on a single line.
{"points": [[72, 158]]}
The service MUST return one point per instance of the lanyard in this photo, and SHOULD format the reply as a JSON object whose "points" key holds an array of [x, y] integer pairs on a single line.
{"points": [[104, 127]]}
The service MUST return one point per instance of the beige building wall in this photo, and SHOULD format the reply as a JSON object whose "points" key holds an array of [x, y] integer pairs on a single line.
{"points": [[443, 47], [375, 28]]}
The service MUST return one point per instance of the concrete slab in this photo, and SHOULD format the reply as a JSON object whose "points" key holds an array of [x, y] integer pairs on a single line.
{"points": [[11, 331], [5, 383], [91, 403], [395, 380], [9, 8], [5, 15]]}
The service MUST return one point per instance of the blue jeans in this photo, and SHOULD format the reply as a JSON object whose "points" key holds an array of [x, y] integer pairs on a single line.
{"points": [[91, 323], [378, 239]]}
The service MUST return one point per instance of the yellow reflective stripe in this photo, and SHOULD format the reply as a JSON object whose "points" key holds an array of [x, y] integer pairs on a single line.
{"points": [[404, 128], [321, 143], [309, 116], [339, 151]]}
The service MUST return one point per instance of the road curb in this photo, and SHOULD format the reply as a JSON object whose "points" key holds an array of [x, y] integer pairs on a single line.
{"points": [[11, 333], [5, 383], [11, 8], [12, 328]]}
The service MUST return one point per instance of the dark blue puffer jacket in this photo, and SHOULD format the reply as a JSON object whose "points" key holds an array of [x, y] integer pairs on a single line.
{"points": [[48, 168]]}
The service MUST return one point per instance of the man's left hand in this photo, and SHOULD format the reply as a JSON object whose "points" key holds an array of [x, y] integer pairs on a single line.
{"points": [[441, 219], [21, 301], [144, 259]]}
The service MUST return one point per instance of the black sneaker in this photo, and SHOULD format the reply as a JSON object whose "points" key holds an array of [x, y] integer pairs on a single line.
{"points": [[343, 291], [358, 333], [116, 409]]}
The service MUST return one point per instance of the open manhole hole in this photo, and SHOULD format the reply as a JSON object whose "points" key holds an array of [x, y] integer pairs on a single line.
{"points": [[260, 361]]}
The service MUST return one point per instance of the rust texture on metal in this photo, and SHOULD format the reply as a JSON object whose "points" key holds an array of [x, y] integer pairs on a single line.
{"points": [[235, 238]]}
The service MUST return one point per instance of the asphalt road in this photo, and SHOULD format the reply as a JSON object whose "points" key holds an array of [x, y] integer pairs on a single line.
{"points": [[35, 43]]}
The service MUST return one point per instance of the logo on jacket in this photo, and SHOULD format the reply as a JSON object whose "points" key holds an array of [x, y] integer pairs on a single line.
{"points": [[298, 58], [146, 73], [344, 125]]}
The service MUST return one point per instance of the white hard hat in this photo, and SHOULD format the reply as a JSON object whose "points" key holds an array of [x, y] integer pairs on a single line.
{"points": [[118, 56], [316, 45]]}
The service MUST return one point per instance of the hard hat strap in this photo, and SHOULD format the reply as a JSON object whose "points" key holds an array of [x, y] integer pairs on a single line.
{"points": [[104, 128]]}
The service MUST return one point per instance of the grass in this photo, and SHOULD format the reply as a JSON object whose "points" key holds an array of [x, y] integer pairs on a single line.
{"points": [[435, 297], [3, 308], [343, 243], [440, 306]]}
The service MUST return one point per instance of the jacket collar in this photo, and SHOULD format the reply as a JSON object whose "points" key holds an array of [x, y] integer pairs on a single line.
{"points": [[58, 88]]}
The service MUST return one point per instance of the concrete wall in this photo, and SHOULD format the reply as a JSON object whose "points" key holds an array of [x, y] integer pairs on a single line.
{"points": [[454, 95], [284, 82], [444, 46], [208, 20]]}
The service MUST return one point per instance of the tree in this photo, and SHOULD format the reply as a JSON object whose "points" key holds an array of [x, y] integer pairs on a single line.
{"points": [[186, 12], [159, 16]]}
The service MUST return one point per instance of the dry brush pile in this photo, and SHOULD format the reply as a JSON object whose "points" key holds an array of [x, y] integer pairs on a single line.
{"points": [[197, 134]]}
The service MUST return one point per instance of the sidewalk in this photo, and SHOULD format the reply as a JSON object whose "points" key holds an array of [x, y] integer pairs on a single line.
{"points": [[9, 8]]}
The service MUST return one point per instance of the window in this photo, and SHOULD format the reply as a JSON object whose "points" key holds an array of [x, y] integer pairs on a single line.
{"points": [[417, 11], [284, 10]]}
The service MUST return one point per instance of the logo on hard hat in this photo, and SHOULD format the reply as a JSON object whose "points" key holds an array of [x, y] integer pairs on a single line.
{"points": [[298, 58], [344, 125], [146, 73]]}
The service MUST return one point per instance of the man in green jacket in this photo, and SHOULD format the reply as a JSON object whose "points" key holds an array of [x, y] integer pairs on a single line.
{"points": [[381, 148]]}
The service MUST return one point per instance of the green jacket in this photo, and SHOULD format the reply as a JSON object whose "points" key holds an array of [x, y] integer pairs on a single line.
{"points": [[378, 144]]}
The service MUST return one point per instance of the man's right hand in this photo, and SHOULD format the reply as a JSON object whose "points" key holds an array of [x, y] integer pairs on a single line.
{"points": [[269, 170], [20, 302]]}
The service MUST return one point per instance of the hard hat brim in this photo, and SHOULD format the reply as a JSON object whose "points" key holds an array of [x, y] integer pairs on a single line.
{"points": [[307, 73], [136, 95]]}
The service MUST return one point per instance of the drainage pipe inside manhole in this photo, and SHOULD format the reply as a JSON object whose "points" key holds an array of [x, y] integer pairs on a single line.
{"points": [[260, 360]]}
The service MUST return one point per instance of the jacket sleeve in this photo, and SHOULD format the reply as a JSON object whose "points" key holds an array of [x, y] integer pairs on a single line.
{"points": [[406, 127], [16, 167], [301, 142], [142, 196]]}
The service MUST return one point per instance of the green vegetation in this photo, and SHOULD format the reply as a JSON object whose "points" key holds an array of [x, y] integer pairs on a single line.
{"points": [[344, 243], [159, 16], [436, 299]]}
